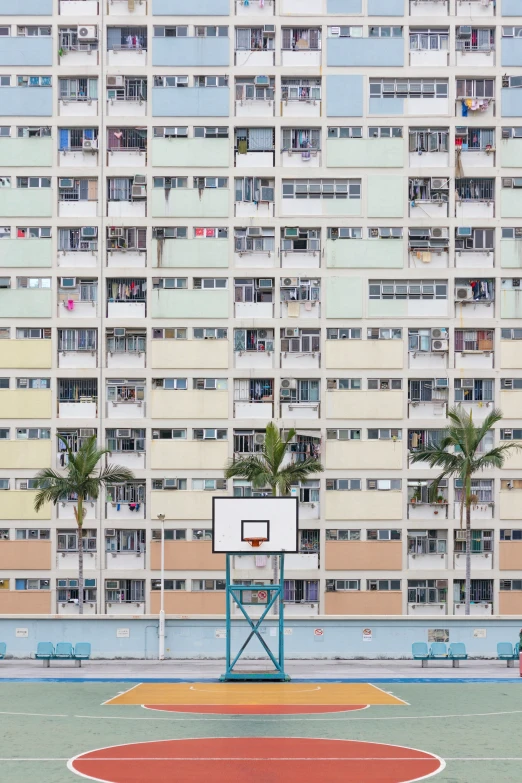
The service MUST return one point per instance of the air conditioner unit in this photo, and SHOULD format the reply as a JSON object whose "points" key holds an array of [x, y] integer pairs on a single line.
{"points": [[123, 433], [440, 233], [110, 532], [159, 233], [438, 334], [439, 345], [461, 131], [464, 231], [115, 233], [335, 32], [119, 331], [286, 393], [269, 29], [288, 281], [115, 81], [90, 145], [266, 282], [331, 383], [262, 81], [506, 133], [24, 485], [112, 584], [254, 231], [291, 233], [288, 383], [170, 483], [467, 383], [262, 333], [464, 31], [441, 383], [67, 282], [88, 33], [65, 183], [259, 438], [439, 184], [267, 194], [87, 433], [460, 535], [88, 232], [139, 179], [507, 384], [507, 182], [462, 293], [139, 191], [516, 282], [292, 332]]}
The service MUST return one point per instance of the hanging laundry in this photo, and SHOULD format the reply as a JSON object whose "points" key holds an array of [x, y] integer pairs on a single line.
{"points": [[242, 146], [426, 257], [293, 309], [464, 109], [70, 304]]}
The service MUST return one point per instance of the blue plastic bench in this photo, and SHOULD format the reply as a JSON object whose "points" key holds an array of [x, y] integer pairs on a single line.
{"points": [[438, 650], [507, 652], [63, 650], [457, 653], [3, 650], [420, 652], [82, 652], [46, 652]]}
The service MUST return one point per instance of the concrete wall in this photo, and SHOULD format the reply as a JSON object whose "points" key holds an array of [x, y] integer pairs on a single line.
{"points": [[29, 354], [196, 638], [358, 555], [344, 297], [190, 101], [26, 556], [186, 556], [26, 252], [385, 7], [194, 8], [359, 52], [367, 153], [26, 7], [189, 354], [24, 52], [364, 354], [344, 95], [192, 253], [25, 454], [190, 51]]}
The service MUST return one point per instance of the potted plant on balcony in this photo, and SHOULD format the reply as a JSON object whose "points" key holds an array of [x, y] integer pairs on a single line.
{"points": [[82, 479]]}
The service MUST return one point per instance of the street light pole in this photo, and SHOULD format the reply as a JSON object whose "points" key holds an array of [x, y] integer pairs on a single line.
{"points": [[161, 628]]}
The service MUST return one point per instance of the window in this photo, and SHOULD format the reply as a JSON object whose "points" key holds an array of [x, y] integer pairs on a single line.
{"points": [[210, 384], [33, 182], [482, 39], [250, 390], [384, 334], [210, 32], [33, 383], [294, 240], [79, 189], [199, 485], [26, 484], [475, 189], [77, 339], [300, 38], [512, 233], [210, 233], [170, 232], [343, 434], [210, 81], [344, 384], [254, 189], [383, 584], [126, 441], [33, 433], [176, 384], [33, 282], [300, 89], [67, 540], [384, 32], [474, 339], [202, 535], [33, 81], [412, 88], [132, 541], [4, 483], [343, 334], [125, 591], [168, 584], [180, 31], [300, 139], [33, 232], [202, 183], [482, 489], [380, 384], [345, 32], [254, 88], [4, 383], [429, 40], [481, 541], [475, 88], [176, 434], [32, 584], [322, 188], [343, 485], [511, 434], [511, 383], [33, 31], [384, 233], [125, 391], [171, 81], [343, 535], [480, 239], [511, 535], [420, 339], [67, 590], [169, 282], [383, 485], [170, 182], [170, 535], [214, 333], [209, 434], [427, 591], [25, 534], [473, 390], [78, 89], [342, 585], [171, 132], [408, 289], [254, 39], [208, 584], [179, 333], [427, 542], [345, 132], [428, 140], [210, 282], [384, 133], [384, 434], [5, 81], [24, 132], [298, 591], [169, 483], [308, 341], [4, 433]]}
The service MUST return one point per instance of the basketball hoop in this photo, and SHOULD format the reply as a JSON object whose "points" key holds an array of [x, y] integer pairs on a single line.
{"points": [[255, 542]]}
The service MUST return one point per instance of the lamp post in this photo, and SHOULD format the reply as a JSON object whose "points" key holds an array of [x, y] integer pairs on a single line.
{"points": [[161, 629]]}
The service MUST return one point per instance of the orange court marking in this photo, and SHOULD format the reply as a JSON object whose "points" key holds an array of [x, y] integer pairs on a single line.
{"points": [[263, 693], [256, 760]]}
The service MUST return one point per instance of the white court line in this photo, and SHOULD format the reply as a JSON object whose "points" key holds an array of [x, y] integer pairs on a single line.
{"points": [[120, 693], [157, 708], [277, 758], [36, 714], [389, 694]]}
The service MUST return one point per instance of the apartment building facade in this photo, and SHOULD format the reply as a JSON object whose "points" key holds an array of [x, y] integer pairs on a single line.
{"points": [[307, 212]]}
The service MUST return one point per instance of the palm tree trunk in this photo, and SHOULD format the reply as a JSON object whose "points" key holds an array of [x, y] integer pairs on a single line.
{"points": [[78, 512], [468, 557]]}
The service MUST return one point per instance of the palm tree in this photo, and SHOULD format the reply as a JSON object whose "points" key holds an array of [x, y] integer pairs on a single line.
{"points": [[264, 468], [82, 479], [459, 454]]}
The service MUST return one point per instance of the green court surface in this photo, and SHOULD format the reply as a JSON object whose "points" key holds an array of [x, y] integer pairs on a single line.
{"points": [[475, 728]]}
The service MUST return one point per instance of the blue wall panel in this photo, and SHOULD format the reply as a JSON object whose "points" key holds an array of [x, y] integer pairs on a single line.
{"points": [[26, 51], [511, 52], [26, 101], [365, 52], [190, 101], [344, 95], [386, 106], [385, 7], [511, 8], [192, 8], [26, 7], [190, 51], [343, 7], [511, 102]]}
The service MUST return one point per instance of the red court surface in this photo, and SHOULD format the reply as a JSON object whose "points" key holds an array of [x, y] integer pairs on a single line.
{"points": [[254, 709], [256, 760]]}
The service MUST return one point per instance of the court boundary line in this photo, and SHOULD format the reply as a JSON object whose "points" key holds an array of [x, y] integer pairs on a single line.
{"points": [[369, 680], [389, 694], [122, 693], [360, 708], [441, 761]]}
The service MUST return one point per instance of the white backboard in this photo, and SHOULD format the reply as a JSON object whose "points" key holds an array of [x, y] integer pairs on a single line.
{"points": [[235, 519]]}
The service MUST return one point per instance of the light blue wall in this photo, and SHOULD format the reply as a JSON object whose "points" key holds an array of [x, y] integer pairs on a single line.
{"points": [[190, 101], [511, 53], [511, 8], [386, 106], [26, 101], [26, 51], [365, 51], [26, 7], [385, 7], [193, 8], [511, 102], [344, 96], [342, 637], [340, 7], [190, 51]]}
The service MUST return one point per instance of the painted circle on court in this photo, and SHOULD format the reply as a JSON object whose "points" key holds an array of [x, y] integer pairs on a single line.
{"points": [[255, 709], [256, 760]]}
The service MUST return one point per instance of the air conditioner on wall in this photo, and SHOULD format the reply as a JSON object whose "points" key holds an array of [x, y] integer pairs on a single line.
{"points": [[119, 331], [110, 532], [439, 346], [115, 81], [115, 233], [89, 232], [259, 438], [288, 281], [123, 433], [90, 145], [254, 231], [87, 33], [464, 231], [292, 331], [288, 383]]}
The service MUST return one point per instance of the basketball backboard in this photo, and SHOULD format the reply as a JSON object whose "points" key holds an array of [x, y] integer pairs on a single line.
{"points": [[234, 520]]}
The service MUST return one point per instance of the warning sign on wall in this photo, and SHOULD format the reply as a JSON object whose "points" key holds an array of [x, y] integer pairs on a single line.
{"points": [[367, 635], [318, 631]]}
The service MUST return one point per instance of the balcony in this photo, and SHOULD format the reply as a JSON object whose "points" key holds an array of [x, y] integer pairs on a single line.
{"points": [[300, 409], [122, 8], [65, 510], [480, 510], [257, 359], [254, 8], [79, 54], [126, 561], [129, 54], [77, 107], [435, 512], [477, 608], [116, 511], [251, 310], [126, 105], [468, 55], [480, 561], [301, 57], [68, 561], [77, 359], [474, 9], [304, 309], [128, 402], [254, 409], [304, 360], [474, 298], [86, 409], [125, 359]]}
